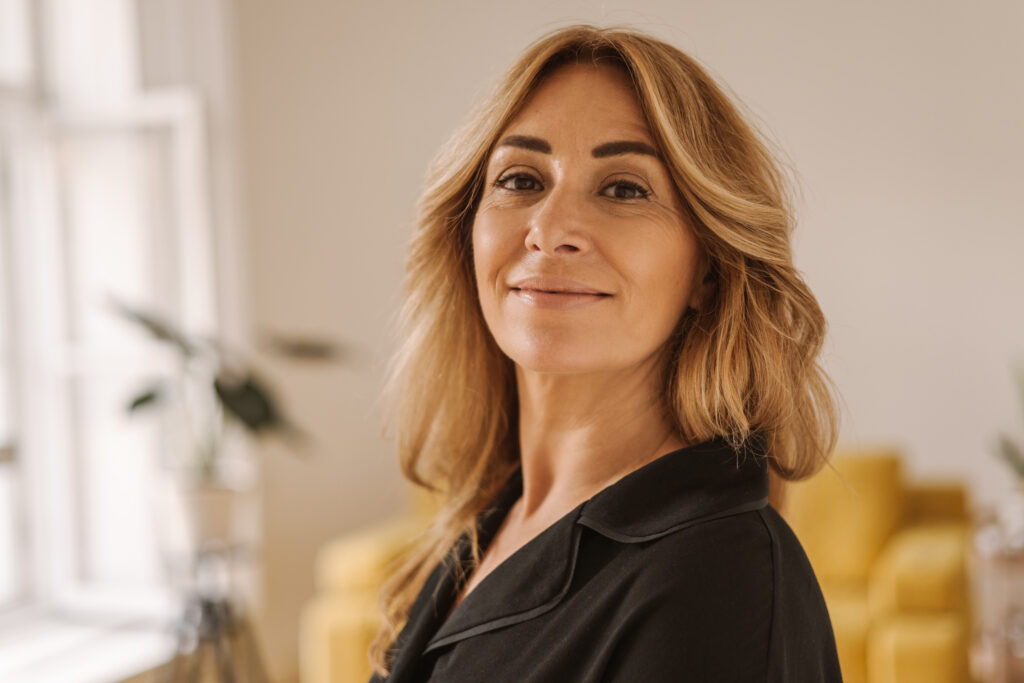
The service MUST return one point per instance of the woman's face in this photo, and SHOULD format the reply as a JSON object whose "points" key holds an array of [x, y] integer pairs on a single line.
{"points": [[583, 259]]}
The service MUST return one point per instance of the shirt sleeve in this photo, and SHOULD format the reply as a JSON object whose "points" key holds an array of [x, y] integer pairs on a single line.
{"points": [[703, 613]]}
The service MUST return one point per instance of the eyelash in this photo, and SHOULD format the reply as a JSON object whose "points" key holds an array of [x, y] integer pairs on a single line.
{"points": [[642, 192]]}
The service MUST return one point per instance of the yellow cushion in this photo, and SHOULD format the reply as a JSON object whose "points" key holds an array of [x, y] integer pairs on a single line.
{"points": [[338, 626], [935, 501], [843, 516], [848, 611], [360, 561], [918, 649], [921, 568], [335, 635]]}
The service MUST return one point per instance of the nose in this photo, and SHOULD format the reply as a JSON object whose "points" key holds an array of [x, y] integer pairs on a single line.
{"points": [[557, 224]]}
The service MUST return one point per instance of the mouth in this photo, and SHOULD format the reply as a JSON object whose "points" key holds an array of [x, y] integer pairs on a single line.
{"points": [[571, 292], [556, 299]]}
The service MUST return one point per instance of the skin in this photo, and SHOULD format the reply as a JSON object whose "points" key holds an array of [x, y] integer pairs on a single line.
{"points": [[589, 406]]}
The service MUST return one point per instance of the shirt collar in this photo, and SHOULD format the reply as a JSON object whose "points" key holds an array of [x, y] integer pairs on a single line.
{"points": [[698, 482], [687, 486]]}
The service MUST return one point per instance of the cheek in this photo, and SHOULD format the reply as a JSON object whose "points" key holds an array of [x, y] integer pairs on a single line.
{"points": [[664, 272], [483, 253], [489, 256], [494, 245]]}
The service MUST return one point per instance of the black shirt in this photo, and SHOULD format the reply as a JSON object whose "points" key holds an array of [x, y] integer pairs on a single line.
{"points": [[679, 571]]}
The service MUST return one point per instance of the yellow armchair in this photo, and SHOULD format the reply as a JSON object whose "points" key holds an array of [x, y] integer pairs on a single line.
{"points": [[337, 626], [891, 559]]}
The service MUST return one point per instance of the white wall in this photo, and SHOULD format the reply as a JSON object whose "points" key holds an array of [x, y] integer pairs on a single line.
{"points": [[903, 119]]}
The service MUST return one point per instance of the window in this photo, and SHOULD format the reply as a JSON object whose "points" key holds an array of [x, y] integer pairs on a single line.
{"points": [[104, 191], [14, 76]]}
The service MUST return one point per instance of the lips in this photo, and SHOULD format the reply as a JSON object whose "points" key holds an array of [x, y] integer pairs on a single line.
{"points": [[554, 285], [559, 291], [559, 294]]}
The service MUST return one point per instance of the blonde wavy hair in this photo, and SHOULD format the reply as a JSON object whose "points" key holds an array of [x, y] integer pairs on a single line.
{"points": [[746, 362]]}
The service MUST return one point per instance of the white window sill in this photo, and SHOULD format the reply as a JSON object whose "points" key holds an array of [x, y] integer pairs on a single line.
{"points": [[49, 649]]}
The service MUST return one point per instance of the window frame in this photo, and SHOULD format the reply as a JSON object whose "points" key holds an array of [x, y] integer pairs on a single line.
{"points": [[36, 126]]}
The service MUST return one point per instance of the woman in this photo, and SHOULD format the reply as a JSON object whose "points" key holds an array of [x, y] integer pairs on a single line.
{"points": [[607, 349]]}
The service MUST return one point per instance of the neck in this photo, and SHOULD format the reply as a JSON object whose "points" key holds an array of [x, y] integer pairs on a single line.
{"points": [[580, 433]]}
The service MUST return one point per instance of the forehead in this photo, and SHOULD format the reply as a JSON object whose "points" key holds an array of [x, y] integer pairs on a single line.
{"points": [[583, 99]]}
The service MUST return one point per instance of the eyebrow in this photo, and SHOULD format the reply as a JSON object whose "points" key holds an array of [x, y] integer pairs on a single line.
{"points": [[607, 149]]}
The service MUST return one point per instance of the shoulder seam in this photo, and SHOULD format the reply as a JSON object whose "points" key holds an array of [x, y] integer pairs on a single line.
{"points": [[771, 622]]}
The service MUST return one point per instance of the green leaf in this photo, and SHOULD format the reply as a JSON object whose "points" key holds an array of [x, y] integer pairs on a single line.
{"points": [[158, 327], [303, 348], [1011, 453], [147, 398], [248, 400]]}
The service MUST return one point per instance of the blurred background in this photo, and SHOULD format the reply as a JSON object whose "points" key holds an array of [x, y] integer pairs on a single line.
{"points": [[244, 172]]}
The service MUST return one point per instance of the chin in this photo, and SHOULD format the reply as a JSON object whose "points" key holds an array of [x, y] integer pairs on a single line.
{"points": [[555, 368], [554, 358]]}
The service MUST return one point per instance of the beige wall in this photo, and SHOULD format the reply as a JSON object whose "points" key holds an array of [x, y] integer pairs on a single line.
{"points": [[903, 120]]}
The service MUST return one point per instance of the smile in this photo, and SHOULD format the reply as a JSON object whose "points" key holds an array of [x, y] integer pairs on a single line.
{"points": [[556, 300]]}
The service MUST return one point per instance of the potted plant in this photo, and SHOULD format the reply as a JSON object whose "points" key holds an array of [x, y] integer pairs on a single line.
{"points": [[997, 573], [213, 391]]}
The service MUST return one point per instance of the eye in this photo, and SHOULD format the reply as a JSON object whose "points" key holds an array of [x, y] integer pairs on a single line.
{"points": [[517, 182], [624, 189]]}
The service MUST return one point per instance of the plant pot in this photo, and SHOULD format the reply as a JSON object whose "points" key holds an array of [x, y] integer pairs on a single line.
{"points": [[997, 577], [211, 511]]}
